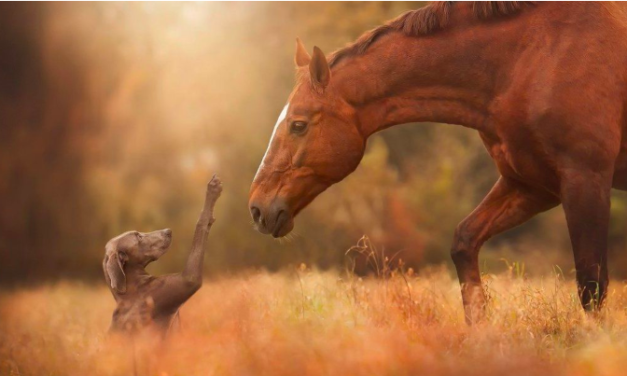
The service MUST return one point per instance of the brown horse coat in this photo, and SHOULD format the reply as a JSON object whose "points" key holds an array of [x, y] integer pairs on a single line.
{"points": [[543, 84]]}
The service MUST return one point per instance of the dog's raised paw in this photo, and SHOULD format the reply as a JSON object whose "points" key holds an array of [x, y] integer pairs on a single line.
{"points": [[214, 187]]}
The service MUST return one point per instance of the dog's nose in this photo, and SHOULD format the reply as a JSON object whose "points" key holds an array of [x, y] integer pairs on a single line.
{"points": [[167, 232]]}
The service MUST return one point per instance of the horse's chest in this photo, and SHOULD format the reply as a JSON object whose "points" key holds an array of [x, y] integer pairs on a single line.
{"points": [[521, 161]]}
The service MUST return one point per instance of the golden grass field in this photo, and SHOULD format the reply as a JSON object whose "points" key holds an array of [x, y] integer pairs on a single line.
{"points": [[308, 322]]}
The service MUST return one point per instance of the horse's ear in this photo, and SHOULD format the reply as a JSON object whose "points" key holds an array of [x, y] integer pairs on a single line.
{"points": [[319, 69], [301, 58], [114, 270]]}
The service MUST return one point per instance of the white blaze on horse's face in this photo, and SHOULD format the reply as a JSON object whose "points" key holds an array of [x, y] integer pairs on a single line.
{"points": [[276, 126]]}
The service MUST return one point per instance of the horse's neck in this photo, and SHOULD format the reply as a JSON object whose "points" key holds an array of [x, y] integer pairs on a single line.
{"points": [[447, 77]]}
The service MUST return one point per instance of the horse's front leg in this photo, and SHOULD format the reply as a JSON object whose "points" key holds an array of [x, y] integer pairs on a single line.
{"points": [[508, 205], [586, 200]]}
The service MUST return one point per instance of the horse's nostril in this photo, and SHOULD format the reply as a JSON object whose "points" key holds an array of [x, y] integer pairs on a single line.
{"points": [[256, 213]]}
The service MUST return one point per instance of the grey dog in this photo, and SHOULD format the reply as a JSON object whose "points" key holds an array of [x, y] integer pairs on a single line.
{"points": [[144, 300]]}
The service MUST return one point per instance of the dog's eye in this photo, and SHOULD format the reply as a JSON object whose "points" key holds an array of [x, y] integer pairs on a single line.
{"points": [[298, 127]]}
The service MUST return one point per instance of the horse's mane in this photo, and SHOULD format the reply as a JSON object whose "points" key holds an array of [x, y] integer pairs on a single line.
{"points": [[426, 20]]}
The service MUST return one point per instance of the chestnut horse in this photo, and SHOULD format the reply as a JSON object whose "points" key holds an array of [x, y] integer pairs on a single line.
{"points": [[543, 84]]}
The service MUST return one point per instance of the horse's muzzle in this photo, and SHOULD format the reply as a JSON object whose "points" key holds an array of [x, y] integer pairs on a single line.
{"points": [[273, 219]]}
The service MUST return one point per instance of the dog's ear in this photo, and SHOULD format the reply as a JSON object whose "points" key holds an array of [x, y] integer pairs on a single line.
{"points": [[114, 270]]}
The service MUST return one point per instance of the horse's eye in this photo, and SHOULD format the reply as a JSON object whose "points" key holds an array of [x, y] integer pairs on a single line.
{"points": [[298, 127], [139, 236]]}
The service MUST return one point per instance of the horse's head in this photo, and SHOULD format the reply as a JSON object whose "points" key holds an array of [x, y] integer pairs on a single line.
{"points": [[316, 142]]}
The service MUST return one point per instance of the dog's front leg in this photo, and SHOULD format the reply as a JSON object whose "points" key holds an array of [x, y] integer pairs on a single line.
{"points": [[175, 289], [193, 267]]}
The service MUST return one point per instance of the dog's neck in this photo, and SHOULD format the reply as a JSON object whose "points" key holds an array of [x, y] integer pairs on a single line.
{"points": [[136, 276]]}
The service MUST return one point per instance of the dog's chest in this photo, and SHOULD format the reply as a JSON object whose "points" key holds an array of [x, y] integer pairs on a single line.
{"points": [[133, 315]]}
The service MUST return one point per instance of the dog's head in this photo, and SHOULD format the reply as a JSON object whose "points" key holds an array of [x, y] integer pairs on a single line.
{"points": [[132, 248]]}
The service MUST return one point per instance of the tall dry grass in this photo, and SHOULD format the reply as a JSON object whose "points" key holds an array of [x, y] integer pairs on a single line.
{"points": [[305, 322]]}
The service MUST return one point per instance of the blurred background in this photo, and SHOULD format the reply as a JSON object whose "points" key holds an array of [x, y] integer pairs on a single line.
{"points": [[114, 115]]}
